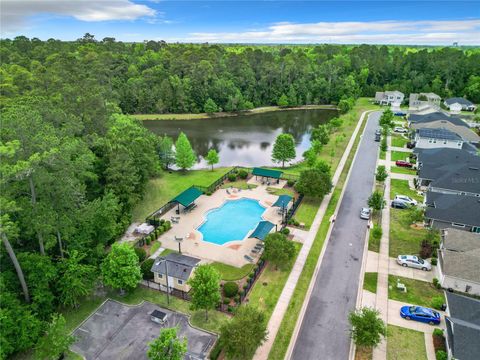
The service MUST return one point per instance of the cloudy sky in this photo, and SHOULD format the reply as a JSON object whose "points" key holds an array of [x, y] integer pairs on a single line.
{"points": [[379, 22]]}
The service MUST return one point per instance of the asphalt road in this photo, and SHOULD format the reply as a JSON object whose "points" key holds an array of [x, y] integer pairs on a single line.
{"points": [[324, 333]]}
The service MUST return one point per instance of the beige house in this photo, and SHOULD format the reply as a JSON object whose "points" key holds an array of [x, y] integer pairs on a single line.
{"points": [[174, 270], [463, 131], [389, 98], [423, 101]]}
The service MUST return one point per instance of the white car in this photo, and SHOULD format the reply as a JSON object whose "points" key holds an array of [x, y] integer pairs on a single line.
{"points": [[400, 129], [414, 262], [406, 199], [365, 213]]}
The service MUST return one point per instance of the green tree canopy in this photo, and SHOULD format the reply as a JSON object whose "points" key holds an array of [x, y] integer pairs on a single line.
{"points": [[321, 133], [205, 288], [283, 149], [314, 182], [278, 249], [282, 100], [367, 327], [387, 119], [121, 269], [212, 157], [381, 174], [56, 340], [166, 151], [376, 201], [185, 156], [167, 346], [210, 107]]}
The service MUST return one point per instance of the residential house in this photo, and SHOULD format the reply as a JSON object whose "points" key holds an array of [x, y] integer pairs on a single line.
{"points": [[417, 119], [179, 269], [389, 97], [426, 138], [452, 211], [462, 327], [465, 132], [458, 261], [458, 104], [423, 101]]}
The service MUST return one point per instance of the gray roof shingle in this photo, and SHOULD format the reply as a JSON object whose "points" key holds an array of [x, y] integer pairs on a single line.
{"points": [[462, 178], [433, 163], [459, 100], [459, 209], [179, 266], [435, 116], [438, 133]]}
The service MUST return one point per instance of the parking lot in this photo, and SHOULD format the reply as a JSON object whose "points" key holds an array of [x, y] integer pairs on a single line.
{"points": [[116, 331]]}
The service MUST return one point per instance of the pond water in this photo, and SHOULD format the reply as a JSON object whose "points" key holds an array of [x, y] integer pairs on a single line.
{"points": [[244, 140]]}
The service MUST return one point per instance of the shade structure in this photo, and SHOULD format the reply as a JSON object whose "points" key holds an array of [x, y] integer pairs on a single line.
{"points": [[282, 201], [262, 230], [187, 197], [275, 174]]}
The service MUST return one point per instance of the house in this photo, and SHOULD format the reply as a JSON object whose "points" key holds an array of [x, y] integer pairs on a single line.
{"points": [[389, 97], [463, 131], [423, 101], [458, 104], [452, 211], [417, 119], [462, 327], [426, 138], [458, 261], [175, 270]]}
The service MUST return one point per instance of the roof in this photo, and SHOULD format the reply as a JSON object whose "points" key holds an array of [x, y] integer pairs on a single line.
{"points": [[441, 133], [394, 92], [178, 266], [460, 177], [459, 240], [159, 314], [434, 163], [276, 174], [188, 196], [463, 131], [463, 326], [459, 100], [431, 95], [459, 209], [282, 201], [435, 116], [262, 230]]}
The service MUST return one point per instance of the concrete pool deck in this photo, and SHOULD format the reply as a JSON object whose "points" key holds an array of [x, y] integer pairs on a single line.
{"points": [[231, 253]]}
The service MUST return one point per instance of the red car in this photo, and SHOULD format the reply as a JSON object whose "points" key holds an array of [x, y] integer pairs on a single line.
{"points": [[403, 164]]}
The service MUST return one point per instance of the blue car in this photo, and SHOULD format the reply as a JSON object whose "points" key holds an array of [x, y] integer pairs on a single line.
{"points": [[419, 313], [400, 114]]}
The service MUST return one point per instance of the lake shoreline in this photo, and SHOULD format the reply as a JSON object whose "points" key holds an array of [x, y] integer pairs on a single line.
{"points": [[199, 116]]}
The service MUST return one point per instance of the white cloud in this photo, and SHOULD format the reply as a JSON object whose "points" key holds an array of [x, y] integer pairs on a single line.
{"points": [[383, 32], [15, 13]]}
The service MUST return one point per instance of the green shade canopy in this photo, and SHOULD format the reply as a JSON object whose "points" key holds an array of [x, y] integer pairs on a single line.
{"points": [[275, 174], [282, 201], [187, 197], [262, 230]]}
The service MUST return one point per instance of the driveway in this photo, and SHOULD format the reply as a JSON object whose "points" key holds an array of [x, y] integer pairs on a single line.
{"points": [[394, 318], [408, 272], [116, 331], [324, 333]]}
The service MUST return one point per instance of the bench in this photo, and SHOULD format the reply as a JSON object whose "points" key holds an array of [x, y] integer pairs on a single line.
{"points": [[401, 286]]}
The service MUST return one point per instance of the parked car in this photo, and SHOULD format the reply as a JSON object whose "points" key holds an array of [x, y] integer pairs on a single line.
{"points": [[410, 145], [400, 129], [378, 137], [406, 199], [399, 204], [378, 132], [421, 314], [365, 213], [403, 163], [414, 262], [400, 113]]}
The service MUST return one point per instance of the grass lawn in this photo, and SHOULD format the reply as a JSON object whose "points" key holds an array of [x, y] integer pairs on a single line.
{"points": [[282, 191], [231, 273], [167, 251], [307, 211], [164, 188], [363, 353], [399, 141], [418, 292], [265, 297], [403, 170], [373, 244], [403, 238], [70, 355], [155, 246], [240, 184], [405, 344], [382, 155], [399, 155], [401, 187], [370, 282], [75, 317]]}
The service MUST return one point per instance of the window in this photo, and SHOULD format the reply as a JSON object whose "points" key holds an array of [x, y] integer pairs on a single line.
{"points": [[458, 225], [476, 229], [180, 282], [160, 276]]}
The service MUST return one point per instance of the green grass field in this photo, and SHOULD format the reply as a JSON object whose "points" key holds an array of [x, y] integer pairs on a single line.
{"points": [[307, 211], [405, 344], [401, 187], [231, 273], [403, 170], [283, 191], [418, 292], [399, 155], [403, 238], [399, 141], [370, 282], [373, 244], [239, 184]]}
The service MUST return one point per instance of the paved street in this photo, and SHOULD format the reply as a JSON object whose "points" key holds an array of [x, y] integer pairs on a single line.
{"points": [[324, 333]]}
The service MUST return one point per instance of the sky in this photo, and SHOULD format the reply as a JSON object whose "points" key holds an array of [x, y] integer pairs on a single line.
{"points": [[343, 22]]}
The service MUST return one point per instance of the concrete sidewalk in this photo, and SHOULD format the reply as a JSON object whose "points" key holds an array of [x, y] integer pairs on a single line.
{"points": [[394, 148], [407, 177]]}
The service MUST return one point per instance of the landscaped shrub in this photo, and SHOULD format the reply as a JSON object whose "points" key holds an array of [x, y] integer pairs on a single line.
{"points": [[232, 177], [377, 232], [226, 301], [141, 253], [168, 225], [290, 183], [145, 267], [438, 332], [217, 349], [286, 231], [426, 249], [436, 283], [230, 309], [437, 302], [230, 289], [243, 174], [148, 240], [441, 355], [162, 221], [251, 275], [245, 286], [433, 261]]}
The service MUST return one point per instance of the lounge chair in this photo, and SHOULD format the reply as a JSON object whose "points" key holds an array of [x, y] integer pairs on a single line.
{"points": [[228, 192], [177, 238], [255, 251], [248, 258], [259, 246]]}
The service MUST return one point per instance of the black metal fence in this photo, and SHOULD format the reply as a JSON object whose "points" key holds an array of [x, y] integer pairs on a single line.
{"points": [[162, 288]]}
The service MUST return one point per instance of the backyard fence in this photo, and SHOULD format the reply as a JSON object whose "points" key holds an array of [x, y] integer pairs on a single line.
{"points": [[162, 288]]}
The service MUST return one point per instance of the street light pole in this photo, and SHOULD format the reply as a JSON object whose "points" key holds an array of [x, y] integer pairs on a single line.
{"points": [[166, 274]]}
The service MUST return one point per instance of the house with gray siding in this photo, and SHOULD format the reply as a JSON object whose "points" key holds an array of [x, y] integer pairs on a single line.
{"points": [[389, 97], [459, 103], [426, 138]]}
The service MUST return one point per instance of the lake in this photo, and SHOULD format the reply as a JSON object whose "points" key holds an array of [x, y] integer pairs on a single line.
{"points": [[244, 140]]}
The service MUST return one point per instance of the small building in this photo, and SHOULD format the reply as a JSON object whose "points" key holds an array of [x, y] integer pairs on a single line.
{"points": [[461, 212], [458, 104], [462, 327], [158, 317], [389, 98], [426, 138], [267, 174], [174, 270], [423, 101], [458, 261]]}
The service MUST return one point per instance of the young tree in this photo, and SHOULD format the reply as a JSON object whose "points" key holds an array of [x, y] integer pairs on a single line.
{"points": [[323, 166], [185, 156], [376, 201], [56, 340], [367, 327], [205, 290], [121, 269], [292, 97], [242, 335], [310, 158], [415, 214], [210, 107], [76, 279], [387, 119], [321, 133], [283, 149], [212, 157], [167, 346], [381, 174], [166, 151], [314, 182], [278, 249], [283, 101]]}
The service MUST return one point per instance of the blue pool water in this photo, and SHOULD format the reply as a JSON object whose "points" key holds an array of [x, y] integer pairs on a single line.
{"points": [[232, 221]]}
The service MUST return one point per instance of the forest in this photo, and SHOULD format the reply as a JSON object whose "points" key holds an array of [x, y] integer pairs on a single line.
{"points": [[74, 164]]}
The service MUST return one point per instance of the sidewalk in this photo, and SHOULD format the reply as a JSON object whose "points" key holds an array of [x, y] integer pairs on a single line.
{"points": [[402, 176], [287, 292], [401, 149]]}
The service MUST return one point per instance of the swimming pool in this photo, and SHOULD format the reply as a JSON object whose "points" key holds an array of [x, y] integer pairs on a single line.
{"points": [[231, 221]]}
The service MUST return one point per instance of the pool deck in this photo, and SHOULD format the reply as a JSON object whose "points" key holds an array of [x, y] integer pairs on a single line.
{"points": [[231, 253]]}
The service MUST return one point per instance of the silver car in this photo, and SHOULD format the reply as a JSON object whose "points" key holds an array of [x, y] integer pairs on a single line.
{"points": [[406, 199], [414, 262], [400, 129], [365, 213]]}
